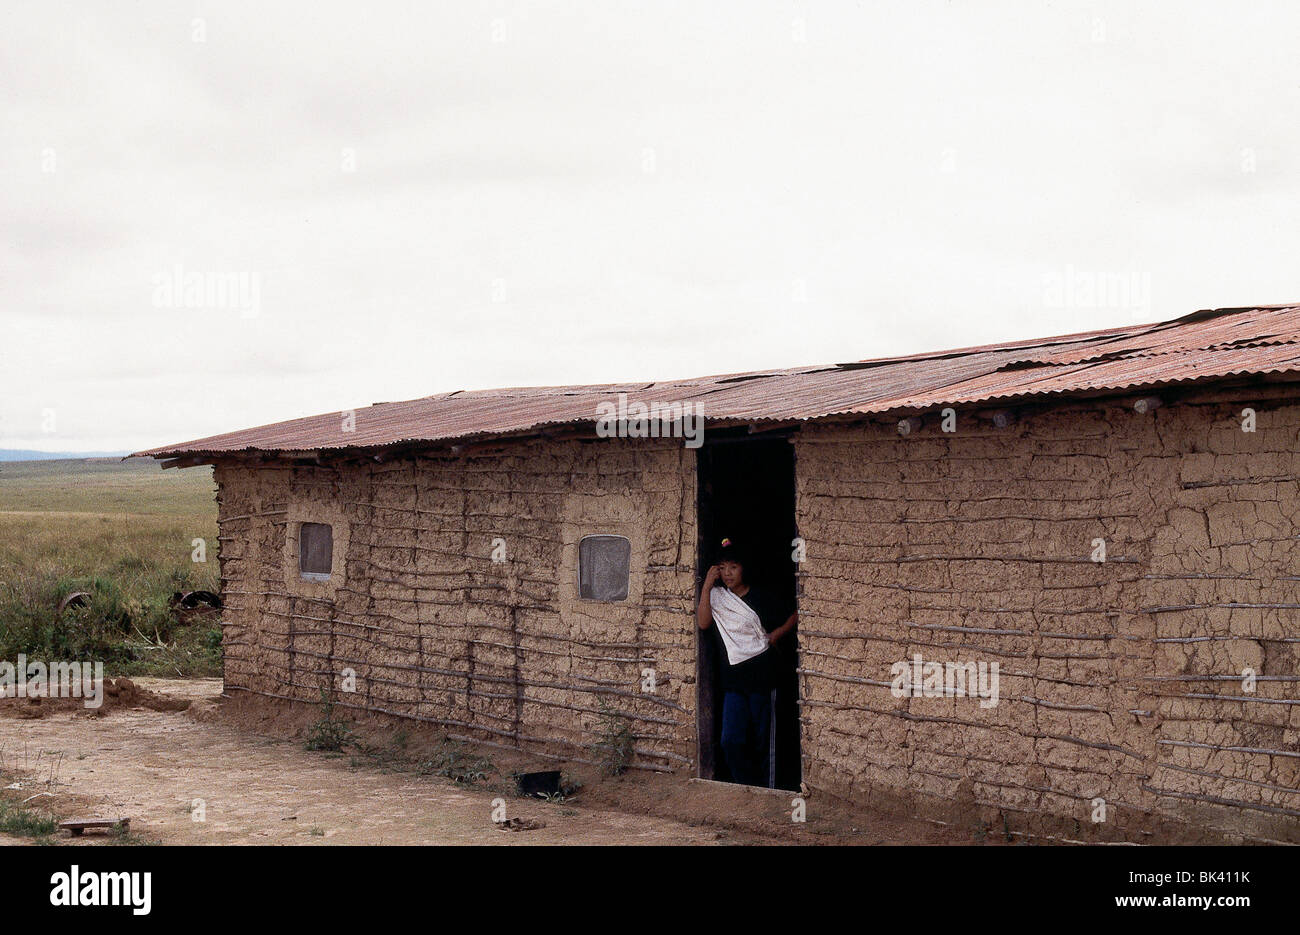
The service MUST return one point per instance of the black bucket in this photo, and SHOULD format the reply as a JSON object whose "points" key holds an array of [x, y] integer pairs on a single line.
{"points": [[539, 784]]}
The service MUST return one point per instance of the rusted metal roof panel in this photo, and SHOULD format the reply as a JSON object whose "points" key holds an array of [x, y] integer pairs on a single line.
{"points": [[1201, 331], [1207, 345]]}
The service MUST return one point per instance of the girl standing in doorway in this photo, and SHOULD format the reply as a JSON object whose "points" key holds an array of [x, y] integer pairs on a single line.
{"points": [[750, 619]]}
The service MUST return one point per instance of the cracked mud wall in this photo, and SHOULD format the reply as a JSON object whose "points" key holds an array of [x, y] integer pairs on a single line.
{"points": [[1119, 680], [434, 629]]}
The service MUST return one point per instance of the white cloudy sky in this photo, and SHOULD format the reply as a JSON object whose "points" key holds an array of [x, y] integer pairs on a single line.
{"points": [[591, 192]]}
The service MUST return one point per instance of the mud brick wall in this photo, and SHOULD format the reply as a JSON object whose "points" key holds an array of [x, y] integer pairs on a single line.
{"points": [[435, 630], [1120, 680]]}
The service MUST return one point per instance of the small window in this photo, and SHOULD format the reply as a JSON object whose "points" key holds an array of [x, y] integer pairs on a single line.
{"points": [[315, 551], [604, 563]]}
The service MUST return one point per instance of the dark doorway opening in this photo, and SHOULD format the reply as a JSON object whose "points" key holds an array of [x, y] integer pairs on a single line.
{"points": [[747, 493]]}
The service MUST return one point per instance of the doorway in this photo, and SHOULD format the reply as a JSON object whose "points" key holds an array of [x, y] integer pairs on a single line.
{"points": [[747, 493]]}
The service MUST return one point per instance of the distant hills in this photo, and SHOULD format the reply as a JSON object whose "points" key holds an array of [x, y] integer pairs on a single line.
{"points": [[18, 454]]}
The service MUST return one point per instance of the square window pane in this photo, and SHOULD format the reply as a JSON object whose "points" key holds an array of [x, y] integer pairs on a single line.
{"points": [[315, 550], [604, 564]]}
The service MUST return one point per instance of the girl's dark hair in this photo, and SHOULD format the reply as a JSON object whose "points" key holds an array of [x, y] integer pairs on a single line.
{"points": [[730, 552]]}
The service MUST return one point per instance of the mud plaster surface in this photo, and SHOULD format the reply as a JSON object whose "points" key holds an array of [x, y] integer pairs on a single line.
{"points": [[1119, 680]]}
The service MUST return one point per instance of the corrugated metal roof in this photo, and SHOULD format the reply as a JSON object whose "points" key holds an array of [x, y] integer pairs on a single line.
{"points": [[1206, 345]]}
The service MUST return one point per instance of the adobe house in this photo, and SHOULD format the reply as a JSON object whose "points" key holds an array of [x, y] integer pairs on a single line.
{"points": [[1111, 518]]}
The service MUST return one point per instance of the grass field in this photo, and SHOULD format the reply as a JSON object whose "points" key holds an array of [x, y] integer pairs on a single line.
{"points": [[122, 531], [105, 486]]}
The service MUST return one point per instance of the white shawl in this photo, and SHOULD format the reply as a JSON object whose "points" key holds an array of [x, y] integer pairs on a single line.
{"points": [[742, 631]]}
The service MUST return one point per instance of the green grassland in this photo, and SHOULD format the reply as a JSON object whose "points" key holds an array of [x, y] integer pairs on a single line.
{"points": [[124, 532], [108, 486]]}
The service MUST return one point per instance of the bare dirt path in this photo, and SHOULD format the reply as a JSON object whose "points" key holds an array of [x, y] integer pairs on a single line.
{"points": [[152, 765]]}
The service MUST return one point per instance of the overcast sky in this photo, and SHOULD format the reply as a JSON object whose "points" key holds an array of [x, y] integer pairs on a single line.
{"points": [[413, 200]]}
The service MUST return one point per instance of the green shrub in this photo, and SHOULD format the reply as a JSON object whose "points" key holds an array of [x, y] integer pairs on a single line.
{"points": [[330, 733], [452, 762], [614, 750]]}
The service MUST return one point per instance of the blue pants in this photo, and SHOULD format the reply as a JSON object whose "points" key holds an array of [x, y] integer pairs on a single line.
{"points": [[746, 720]]}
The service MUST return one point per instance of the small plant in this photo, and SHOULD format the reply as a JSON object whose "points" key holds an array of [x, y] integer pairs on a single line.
{"points": [[569, 787], [391, 757], [24, 822], [614, 749], [119, 835], [329, 733], [316, 832], [452, 762]]}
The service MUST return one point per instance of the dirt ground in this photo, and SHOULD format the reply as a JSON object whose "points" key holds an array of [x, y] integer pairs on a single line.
{"points": [[259, 785]]}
